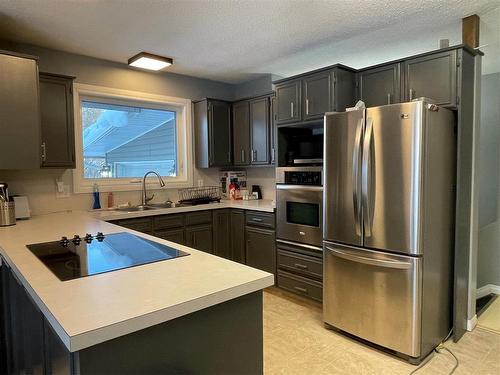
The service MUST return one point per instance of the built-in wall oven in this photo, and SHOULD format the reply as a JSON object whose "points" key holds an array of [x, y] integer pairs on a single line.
{"points": [[299, 205]]}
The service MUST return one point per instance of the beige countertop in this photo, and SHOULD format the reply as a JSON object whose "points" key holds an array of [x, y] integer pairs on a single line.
{"points": [[253, 205], [94, 309]]}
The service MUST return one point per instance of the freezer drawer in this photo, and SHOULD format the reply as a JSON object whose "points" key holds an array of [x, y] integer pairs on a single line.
{"points": [[373, 295]]}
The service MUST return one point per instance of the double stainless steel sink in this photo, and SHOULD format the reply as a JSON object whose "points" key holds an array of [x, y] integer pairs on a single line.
{"points": [[151, 206]]}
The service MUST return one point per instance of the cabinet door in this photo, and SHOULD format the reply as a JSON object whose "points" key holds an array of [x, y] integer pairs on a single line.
{"points": [[222, 233], [317, 94], [380, 86], [175, 235], [238, 236], [219, 120], [19, 113], [241, 133], [199, 237], [272, 111], [432, 76], [259, 130], [57, 128], [261, 249], [288, 102]]}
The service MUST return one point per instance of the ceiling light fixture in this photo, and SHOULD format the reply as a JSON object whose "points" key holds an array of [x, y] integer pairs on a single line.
{"points": [[149, 61]]}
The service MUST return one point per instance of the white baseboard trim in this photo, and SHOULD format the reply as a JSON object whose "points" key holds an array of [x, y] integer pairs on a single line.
{"points": [[471, 323], [487, 289]]}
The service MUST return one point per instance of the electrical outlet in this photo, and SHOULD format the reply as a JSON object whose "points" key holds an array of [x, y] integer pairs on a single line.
{"points": [[62, 190], [200, 182]]}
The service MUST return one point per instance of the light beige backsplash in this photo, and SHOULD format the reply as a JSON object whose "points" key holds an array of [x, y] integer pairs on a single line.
{"points": [[40, 187]]}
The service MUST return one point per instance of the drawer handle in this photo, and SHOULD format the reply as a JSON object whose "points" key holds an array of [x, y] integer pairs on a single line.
{"points": [[301, 266], [300, 289], [256, 219]]}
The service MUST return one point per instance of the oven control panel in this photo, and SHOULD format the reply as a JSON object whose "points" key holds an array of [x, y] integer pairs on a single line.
{"points": [[303, 178]]}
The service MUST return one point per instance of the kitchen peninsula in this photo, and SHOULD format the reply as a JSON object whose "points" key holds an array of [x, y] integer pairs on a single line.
{"points": [[193, 314]]}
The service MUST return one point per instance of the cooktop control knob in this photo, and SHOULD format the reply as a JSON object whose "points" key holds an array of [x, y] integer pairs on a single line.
{"points": [[99, 236], [64, 241], [88, 238], [76, 239]]}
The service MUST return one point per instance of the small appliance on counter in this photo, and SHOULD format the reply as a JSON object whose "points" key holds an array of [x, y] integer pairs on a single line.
{"points": [[236, 178], [7, 207], [256, 191], [22, 207]]}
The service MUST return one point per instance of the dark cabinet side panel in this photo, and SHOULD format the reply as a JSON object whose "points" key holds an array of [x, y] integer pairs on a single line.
{"points": [[19, 113], [57, 125]]}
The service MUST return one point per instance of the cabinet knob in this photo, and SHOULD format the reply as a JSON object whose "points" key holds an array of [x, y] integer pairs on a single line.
{"points": [[44, 151]]}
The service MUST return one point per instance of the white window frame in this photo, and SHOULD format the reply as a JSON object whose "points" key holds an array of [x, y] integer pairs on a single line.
{"points": [[182, 108]]}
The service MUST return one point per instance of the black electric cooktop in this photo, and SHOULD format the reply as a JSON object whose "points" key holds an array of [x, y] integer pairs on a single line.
{"points": [[90, 255]]}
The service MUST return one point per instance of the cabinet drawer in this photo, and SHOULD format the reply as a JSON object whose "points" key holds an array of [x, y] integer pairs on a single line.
{"points": [[201, 217], [306, 265], [140, 224], [260, 219], [300, 285], [168, 221]]}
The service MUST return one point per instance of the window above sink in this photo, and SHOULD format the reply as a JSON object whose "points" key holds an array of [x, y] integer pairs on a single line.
{"points": [[121, 134]]}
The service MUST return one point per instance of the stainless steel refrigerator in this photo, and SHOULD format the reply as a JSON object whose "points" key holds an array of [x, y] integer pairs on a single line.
{"points": [[388, 231]]}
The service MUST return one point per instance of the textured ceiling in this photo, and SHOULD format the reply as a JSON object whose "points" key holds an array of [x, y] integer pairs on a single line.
{"points": [[226, 40]]}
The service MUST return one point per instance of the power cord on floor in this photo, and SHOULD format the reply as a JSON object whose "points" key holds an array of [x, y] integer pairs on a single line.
{"points": [[438, 350]]}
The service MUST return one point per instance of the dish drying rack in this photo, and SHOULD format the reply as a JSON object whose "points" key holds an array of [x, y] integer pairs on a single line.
{"points": [[200, 195]]}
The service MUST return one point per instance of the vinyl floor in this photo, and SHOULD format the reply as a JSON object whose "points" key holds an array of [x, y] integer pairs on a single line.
{"points": [[296, 342]]}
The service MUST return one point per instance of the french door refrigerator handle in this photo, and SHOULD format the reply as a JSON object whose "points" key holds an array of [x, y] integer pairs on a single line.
{"points": [[366, 178], [370, 261], [356, 158]]}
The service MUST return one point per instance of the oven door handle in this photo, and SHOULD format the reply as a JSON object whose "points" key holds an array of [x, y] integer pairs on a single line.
{"points": [[299, 187]]}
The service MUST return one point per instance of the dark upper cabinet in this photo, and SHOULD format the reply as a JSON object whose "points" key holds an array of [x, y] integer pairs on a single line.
{"points": [[222, 233], [261, 249], [57, 125], [433, 76], [200, 237], [381, 85], [19, 112], [241, 133], [259, 130], [213, 139], [288, 102], [238, 235], [317, 95], [308, 98]]}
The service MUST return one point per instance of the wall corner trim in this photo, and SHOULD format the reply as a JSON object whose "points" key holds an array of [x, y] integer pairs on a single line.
{"points": [[487, 289]]}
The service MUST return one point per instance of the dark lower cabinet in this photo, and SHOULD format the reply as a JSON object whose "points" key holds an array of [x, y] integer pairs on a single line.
{"points": [[174, 234], [213, 336], [261, 249], [222, 233], [238, 236], [246, 237], [200, 237], [28, 343]]}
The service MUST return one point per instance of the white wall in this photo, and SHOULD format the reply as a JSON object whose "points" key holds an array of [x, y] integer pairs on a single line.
{"points": [[488, 259]]}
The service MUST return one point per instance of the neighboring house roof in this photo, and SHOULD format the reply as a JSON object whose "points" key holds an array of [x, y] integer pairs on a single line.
{"points": [[119, 125]]}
